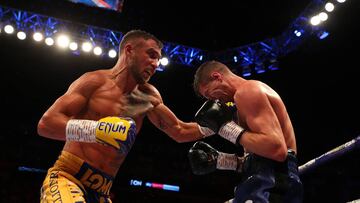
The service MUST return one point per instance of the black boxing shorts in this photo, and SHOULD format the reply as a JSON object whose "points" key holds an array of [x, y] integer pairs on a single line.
{"points": [[265, 180]]}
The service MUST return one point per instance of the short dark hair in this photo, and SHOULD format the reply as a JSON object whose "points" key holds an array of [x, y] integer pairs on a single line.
{"points": [[202, 75], [136, 34]]}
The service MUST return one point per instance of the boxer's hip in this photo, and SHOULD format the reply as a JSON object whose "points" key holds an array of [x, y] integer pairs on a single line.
{"points": [[265, 180], [83, 174]]}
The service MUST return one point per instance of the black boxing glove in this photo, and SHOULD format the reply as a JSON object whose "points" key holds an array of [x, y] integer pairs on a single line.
{"points": [[213, 114], [202, 158], [217, 116], [205, 159]]}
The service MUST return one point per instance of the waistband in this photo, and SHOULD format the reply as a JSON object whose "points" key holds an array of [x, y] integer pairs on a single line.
{"points": [[90, 177], [254, 163]]}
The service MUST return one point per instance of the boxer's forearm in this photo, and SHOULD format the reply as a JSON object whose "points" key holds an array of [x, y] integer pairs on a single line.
{"points": [[163, 118]]}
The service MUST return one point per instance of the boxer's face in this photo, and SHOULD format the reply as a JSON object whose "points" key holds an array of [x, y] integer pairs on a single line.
{"points": [[215, 89], [144, 60]]}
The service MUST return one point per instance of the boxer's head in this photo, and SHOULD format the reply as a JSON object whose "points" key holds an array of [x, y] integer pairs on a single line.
{"points": [[210, 81], [134, 35], [141, 52]]}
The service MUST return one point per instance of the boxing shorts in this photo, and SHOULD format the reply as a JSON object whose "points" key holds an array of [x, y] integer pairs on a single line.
{"points": [[265, 180], [71, 179]]}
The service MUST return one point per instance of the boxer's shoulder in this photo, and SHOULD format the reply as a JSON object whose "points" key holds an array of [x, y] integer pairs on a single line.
{"points": [[150, 90]]}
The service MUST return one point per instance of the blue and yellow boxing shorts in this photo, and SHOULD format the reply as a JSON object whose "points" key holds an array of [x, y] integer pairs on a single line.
{"points": [[73, 180]]}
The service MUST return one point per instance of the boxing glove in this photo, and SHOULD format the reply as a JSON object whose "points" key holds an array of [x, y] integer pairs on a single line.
{"points": [[118, 132], [217, 116], [205, 159]]}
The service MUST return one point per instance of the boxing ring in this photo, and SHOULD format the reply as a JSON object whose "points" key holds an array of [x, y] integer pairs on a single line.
{"points": [[330, 155], [304, 168], [310, 165], [326, 157]]}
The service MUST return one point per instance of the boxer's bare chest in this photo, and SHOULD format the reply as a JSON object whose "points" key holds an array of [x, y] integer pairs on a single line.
{"points": [[110, 101]]}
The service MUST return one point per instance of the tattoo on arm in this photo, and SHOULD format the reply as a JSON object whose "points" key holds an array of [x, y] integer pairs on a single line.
{"points": [[162, 124]]}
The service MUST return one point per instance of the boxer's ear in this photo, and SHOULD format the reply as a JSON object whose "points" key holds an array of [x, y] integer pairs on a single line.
{"points": [[216, 76]]}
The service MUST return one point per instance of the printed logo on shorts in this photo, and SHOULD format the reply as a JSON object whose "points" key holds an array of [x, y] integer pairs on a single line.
{"points": [[54, 187], [94, 179]]}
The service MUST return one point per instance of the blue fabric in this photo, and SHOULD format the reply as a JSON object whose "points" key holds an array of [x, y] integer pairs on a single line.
{"points": [[265, 180]]}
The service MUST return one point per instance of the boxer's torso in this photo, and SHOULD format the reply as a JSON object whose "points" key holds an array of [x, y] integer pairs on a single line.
{"points": [[281, 113], [108, 100]]}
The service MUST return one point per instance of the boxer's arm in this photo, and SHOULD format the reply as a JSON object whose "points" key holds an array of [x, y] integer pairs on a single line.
{"points": [[164, 119], [264, 135], [53, 123]]}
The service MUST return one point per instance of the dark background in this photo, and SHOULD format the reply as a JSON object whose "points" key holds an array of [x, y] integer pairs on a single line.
{"points": [[319, 83]]}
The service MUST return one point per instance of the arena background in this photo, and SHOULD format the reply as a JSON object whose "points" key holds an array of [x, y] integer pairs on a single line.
{"points": [[319, 83]]}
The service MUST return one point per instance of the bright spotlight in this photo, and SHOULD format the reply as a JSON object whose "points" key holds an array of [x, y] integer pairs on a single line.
{"points": [[315, 20], [329, 7], [112, 53], [21, 35], [63, 41], [164, 61], [38, 36], [49, 41], [73, 46], [323, 16], [298, 33], [86, 46], [9, 29], [97, 51], [341, 1]]}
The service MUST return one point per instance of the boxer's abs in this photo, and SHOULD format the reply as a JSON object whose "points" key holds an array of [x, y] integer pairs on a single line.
{"points": [[104, 158]]}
